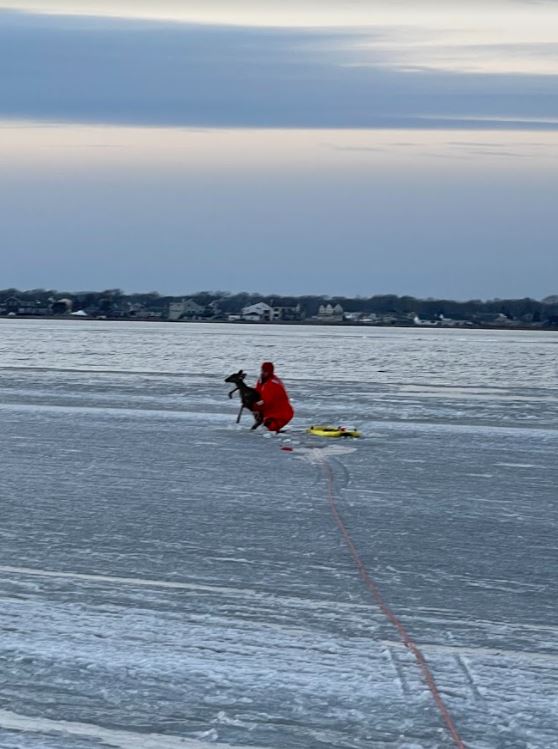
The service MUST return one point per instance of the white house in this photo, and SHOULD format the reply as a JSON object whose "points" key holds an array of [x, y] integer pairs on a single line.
{"points": [[187, 308], [328, 313], [425, 323], [258, 312]]}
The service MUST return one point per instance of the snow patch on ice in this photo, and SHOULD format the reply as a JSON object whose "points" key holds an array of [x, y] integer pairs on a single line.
{"points": [[111, 737], [318, 455], [520, 465]]}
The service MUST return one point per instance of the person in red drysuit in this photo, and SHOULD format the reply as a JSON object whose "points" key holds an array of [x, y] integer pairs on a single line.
{"points": [[274, 405]]}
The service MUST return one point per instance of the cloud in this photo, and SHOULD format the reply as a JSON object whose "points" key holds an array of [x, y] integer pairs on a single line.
{"points": [[99, 70], [539, 58], [294, 13]]}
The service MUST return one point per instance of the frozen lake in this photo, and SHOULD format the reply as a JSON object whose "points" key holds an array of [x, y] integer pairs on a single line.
{"points": [[170, 580]]}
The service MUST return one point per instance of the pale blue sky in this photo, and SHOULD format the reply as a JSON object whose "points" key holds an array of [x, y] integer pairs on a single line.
{"points": [[280, 147]]}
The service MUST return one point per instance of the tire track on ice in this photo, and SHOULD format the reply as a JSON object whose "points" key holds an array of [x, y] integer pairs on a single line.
{"points": [[396, 665], [468, 677]]}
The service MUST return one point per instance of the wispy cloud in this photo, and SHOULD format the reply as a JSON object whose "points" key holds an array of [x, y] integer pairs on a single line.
{"points": [[151, 73], [540, 58]]}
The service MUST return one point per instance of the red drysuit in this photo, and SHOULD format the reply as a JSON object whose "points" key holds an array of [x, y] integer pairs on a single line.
{"points": [[274, 405]]}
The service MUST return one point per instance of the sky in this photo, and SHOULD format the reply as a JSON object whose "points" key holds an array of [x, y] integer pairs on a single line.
{"points": [[336, 147]]}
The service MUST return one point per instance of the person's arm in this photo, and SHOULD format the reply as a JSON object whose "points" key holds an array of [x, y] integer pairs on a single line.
{"points": [[258, 406]]}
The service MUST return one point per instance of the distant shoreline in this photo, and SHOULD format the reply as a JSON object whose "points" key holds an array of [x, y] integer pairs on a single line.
{"points": [[290, 323]]}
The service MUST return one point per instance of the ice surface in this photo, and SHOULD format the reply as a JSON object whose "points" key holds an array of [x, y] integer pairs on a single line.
{"points": [[168, 579]]}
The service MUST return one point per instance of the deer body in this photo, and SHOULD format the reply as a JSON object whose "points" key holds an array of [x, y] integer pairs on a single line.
{"points": [[248, 396]]}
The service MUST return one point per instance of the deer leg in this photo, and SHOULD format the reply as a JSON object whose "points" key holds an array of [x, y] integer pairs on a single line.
{"points": [[239, 414], [257, 420]]}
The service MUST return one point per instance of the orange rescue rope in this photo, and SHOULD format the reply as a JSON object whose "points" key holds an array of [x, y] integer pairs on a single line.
{"points": [[406, 639]]}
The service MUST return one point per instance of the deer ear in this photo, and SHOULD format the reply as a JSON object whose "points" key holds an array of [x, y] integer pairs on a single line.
{"points": [[241, 372]]}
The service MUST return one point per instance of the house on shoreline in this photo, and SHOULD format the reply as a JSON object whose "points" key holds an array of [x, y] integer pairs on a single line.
{"points": [[186, 309], [329, 313], [263, 312]]}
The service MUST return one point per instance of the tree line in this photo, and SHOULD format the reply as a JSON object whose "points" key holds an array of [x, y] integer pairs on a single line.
{"points": [[222, 303]]}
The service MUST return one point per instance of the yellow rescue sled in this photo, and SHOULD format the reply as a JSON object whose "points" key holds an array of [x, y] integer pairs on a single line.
{"points": [[326, 431]]}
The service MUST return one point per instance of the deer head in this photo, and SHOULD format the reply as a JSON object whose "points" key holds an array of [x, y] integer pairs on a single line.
{"points": [[236, 377]]}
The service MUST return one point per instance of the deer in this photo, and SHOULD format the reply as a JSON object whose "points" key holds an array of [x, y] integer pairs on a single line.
{"points": [[248, 396]]}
